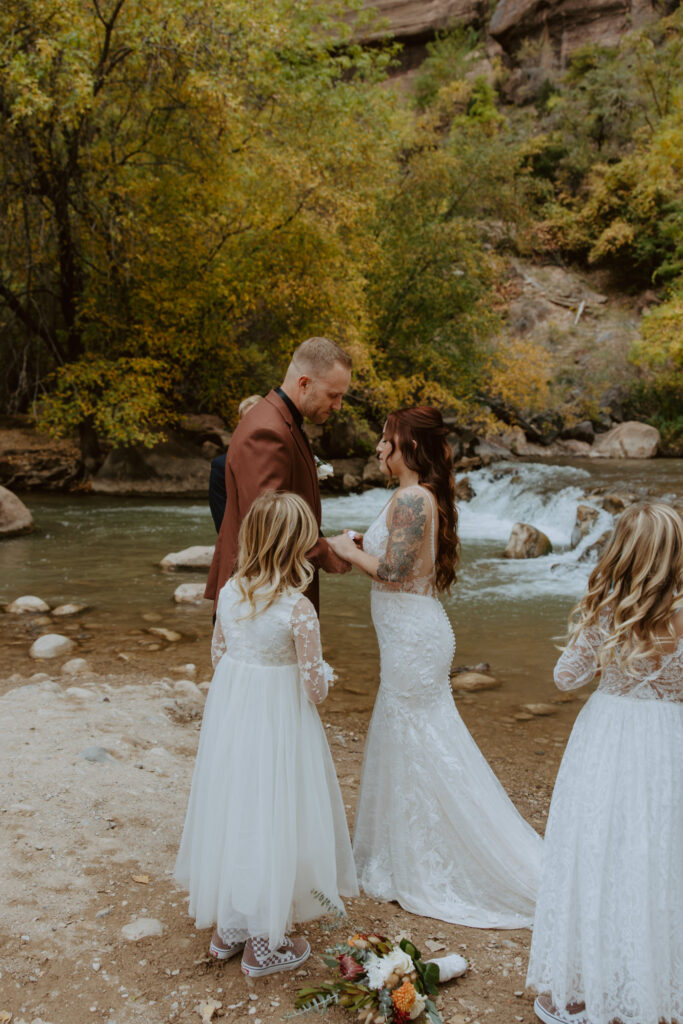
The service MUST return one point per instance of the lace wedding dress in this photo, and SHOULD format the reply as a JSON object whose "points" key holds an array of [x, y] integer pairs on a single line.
{"points": [[435, 830], [265, 823], [609, 918]]}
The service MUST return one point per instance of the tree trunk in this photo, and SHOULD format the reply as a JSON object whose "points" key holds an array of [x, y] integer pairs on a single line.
{"points": [[91, 454]]}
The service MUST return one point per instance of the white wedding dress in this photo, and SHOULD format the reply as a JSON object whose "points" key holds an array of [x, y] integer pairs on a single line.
{"points": [[435, 830], [609, 918]]}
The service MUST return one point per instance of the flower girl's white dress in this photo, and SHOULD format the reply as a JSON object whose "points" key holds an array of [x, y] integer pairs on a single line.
{"points": [[435, 830], [265, 823], [609, 919]]}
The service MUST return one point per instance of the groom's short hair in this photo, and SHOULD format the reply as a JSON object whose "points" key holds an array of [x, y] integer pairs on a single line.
{"points": [[317, 356]]}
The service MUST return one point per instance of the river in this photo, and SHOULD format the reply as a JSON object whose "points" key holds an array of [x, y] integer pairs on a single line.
{"points": [[105, 552]]}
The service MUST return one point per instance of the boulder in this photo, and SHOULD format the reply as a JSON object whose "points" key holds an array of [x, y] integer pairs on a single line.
{"points": [[190, 593], [527, 542], [416, 20], [595, 550], [28, 605], [583, 431], [464, 491], [169, 468], [51, 645], [196, 557], [169, 635], [203, 427], [372, 474], [586, 516], [630, 440], [69, 609], [15, 518], [348, 476], [616, 501], [474, 682]]}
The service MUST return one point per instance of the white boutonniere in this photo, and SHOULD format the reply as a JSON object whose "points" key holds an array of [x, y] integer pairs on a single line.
{"points": [[323, 469]]}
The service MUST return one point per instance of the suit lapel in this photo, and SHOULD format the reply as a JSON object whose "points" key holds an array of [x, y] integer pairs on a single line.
{"points": [[302, 443]]}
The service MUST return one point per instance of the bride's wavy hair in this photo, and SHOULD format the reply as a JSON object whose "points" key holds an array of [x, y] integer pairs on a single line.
{"points": [[274, 537], [421, 437], [635, 589]]}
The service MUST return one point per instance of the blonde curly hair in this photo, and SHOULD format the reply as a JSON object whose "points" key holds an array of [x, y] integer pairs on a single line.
{"points": [[636, 587], [274, 537]]}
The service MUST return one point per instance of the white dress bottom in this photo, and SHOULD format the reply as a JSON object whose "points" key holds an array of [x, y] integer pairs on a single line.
{"points": [[435, 830], [265, 823], [609, 918]]}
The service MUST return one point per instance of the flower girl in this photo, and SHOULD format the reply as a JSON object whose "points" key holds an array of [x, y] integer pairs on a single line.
{"points": [[607, 943], [265, 824]]}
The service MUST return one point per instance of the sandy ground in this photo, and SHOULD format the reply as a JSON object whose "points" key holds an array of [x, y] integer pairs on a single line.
{"points": [[88, 847]]}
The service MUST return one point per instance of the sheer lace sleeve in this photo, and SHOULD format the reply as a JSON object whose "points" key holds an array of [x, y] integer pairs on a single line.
{"points": [[407, 530], [218, 645], [578, 664], [316, 675]]}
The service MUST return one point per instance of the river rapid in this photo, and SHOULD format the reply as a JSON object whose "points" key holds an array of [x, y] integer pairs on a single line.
{"points": [[104, 553]]}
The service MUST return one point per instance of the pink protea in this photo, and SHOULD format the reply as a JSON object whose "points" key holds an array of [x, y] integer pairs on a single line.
{"points": [[349, 968]]}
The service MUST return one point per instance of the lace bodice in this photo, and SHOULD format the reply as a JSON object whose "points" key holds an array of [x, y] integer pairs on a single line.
{"points": [[286, 633], [402, 537], [657, 678]]}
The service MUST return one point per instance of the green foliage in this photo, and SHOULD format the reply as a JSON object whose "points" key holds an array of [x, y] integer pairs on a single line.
{"points": [[658, 394], [447, 60]]}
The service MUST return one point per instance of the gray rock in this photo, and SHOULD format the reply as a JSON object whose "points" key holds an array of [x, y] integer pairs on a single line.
{"points": [[51, 645], [142, 928], [190, 593], [169, 635], [474, 682], [15, 518], [188, 688], [586, 516], [69, 609], [28, 605], [372, 474], [98, 754], [527, 542], [196, 557], [76, 667]]}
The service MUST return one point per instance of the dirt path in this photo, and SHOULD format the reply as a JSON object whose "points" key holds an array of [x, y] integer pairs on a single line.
{"points": [[88, 846]]}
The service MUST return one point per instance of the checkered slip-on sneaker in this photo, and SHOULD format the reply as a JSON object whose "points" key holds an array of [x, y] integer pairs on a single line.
{"points": [[258, 959], [546, 1011]]}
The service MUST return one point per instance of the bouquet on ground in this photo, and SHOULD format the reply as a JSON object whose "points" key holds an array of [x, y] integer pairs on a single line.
{"points": [[385, 982]]}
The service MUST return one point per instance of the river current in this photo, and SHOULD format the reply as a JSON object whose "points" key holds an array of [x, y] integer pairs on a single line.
{"points": [[105, 552]]}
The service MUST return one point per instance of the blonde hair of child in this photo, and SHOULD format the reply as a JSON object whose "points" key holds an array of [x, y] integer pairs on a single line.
{"points": [[635, 587], [274, 537], [246, 404]]}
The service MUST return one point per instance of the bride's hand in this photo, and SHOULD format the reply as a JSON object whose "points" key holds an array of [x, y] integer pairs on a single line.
{"points": [[344, 546]]}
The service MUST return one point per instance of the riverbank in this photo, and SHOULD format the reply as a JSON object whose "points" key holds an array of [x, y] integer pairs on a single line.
{"points": [[88, 847]]}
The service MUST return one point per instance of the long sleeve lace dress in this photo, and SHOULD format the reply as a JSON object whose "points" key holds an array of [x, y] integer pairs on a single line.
{"points": [[435, 830], [609, 918], [265, 822]]}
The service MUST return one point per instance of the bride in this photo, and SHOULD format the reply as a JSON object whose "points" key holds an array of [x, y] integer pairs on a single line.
{"points": [[435, 830]]}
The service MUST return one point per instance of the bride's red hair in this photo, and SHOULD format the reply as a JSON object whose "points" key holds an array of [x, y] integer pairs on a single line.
{"points": [[421, 437]]}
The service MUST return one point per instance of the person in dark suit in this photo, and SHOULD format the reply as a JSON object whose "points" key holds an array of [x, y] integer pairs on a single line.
{"points": [[217, 493], [269, 449]]}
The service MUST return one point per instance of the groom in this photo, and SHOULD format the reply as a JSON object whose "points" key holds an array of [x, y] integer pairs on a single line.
{"points": [[269, 449]]}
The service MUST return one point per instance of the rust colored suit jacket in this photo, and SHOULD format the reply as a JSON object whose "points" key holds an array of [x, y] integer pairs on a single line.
{"points": [[267, 450]]}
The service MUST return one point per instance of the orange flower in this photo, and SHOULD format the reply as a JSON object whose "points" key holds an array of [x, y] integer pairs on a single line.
{"points": [[404, 997]]}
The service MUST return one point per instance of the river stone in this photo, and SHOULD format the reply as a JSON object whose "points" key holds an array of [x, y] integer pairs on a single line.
{"points": [[539, 709], [596, 550], [143, 928], [586, 516], [474, 682], [166, 634], [630, 440], [190, 593], [80, 692], [76, 667], [188, 671], [28, 605], [69, 609], [196, 557], [51, 645], [616, 502], [15, 518], [464, 491], [188, 688], [98, 754], [372, 474], [527, 542]]}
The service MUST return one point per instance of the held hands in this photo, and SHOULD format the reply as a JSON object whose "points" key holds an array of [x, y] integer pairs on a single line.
{"points": [[347, 544]]}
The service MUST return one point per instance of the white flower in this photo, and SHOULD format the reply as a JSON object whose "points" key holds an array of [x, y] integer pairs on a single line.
{"points": [[378, 968], [418, 1006], [323, 469]]}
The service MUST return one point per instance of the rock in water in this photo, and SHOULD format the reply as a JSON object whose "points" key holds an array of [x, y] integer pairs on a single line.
{"points": [[527, 542], [630, 440], [28, 605], [51, 645], [196, 557], [15, 518], [169, 635], [474, 682], [143, 928], [69, 609], [586, 516], [76, 667], [190, 593]]}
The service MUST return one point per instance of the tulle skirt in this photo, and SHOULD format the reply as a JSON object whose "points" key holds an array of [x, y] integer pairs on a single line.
{"points": [[435, 830], [265, 825], [608, 929]]}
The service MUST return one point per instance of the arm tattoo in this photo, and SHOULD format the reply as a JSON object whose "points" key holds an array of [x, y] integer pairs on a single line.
{"points": [[405, 537]]}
